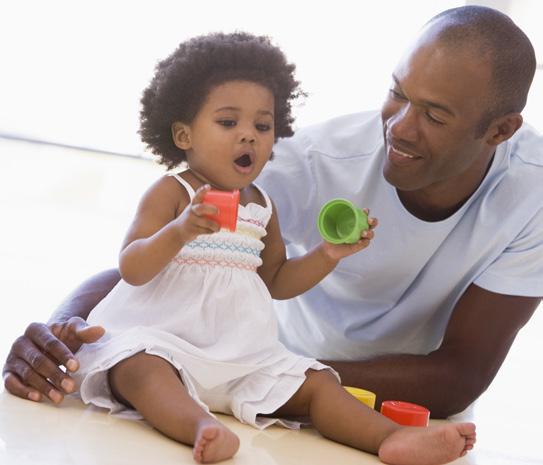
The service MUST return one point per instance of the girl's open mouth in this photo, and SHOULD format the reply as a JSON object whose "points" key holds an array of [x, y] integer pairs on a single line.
{"points": [[244, 161]]}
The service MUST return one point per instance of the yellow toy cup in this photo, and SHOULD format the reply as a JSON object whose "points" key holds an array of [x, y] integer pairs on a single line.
{"points": [[366, 397], [341, 222]]}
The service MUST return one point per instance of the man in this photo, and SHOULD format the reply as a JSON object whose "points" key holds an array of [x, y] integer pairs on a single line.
{"points": [[429, 312]]}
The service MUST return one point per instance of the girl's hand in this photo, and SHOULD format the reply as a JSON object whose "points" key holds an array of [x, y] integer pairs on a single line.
{"points": [[194, 219], [336, 252]]}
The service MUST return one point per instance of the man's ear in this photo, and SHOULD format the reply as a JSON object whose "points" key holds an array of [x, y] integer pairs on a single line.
{"points": [[181, 135], [503, 128]]}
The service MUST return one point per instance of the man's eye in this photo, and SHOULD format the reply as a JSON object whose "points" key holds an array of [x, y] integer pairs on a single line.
{"points": [[433, 120], [263, 127], [396, 95], [227, 123]]}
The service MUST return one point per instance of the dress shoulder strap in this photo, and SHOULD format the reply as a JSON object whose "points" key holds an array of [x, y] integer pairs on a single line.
{"points": [[184, 183], [266, 197]]}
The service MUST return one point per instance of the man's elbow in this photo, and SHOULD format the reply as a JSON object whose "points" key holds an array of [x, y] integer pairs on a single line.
{"points": [[460, 390]]}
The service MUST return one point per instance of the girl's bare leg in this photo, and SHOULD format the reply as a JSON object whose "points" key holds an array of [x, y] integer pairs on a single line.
{"points": [[152, 386], [337, 415]]}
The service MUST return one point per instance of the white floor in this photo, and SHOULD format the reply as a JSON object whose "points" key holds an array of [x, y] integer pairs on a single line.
{"points": [[64, 214]]}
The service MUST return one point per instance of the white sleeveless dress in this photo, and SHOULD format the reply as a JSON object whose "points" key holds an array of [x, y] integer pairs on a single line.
{"points": [[211, 316]]}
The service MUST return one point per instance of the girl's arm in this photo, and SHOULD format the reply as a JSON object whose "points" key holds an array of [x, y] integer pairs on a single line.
{"points": [[287, 278], [165, 221]]}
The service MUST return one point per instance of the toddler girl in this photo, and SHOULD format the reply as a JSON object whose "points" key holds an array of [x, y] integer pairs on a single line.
{"points": [[191, 328]]}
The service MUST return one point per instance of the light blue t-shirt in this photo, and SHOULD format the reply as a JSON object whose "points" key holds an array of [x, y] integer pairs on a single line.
{"points": [[397, 295]]}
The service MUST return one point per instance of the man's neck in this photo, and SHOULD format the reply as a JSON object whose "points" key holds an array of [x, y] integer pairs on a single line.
{"points": [[438, 202]]}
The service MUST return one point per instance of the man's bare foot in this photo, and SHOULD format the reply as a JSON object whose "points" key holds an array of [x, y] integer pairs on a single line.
{"points": [[433, 445], [214, 442]]}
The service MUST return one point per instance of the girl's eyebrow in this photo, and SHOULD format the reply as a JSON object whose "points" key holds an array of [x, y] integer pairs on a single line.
{"points": [[229, 108]]}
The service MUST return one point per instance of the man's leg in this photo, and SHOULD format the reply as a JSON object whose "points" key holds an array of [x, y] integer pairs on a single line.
{"points": [[153, 387]]}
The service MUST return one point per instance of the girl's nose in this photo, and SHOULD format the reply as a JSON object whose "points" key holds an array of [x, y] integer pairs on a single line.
{"points": [[247, 138]]}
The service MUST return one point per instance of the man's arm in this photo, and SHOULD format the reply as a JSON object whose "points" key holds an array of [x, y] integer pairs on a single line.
{"points": [[480, 332], [32, 366]]}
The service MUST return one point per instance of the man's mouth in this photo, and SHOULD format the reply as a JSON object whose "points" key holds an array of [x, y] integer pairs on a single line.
{"points": [[402, 153], [398, 154]]}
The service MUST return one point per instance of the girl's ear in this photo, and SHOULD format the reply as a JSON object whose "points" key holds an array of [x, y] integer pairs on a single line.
{"points": [[181, 135]]}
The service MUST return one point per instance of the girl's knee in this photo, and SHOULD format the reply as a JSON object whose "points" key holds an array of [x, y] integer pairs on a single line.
{"points": [[315, 382], [318, 378], [136, 371], [130, 366]]}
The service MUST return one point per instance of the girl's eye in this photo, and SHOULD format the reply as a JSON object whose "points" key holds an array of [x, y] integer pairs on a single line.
{"points": [[229, 123], [263, 127]]}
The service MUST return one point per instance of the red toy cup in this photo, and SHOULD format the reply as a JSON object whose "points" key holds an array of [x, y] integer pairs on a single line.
{"points": [[405, 413], [227, 204]]}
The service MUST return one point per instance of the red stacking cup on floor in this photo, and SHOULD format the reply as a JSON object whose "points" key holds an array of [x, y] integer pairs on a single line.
{"points": [[405, 413], [227, 202]]}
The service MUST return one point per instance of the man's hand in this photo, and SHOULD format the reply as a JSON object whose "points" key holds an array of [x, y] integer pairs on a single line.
{"points": [[32, 369]]}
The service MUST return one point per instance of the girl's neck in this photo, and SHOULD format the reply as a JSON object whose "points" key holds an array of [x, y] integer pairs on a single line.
{"points": [[202, 180]]}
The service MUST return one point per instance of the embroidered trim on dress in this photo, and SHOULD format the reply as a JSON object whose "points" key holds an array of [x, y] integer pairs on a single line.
{"points": [[209, 262], [200, 244], [255, 222]]}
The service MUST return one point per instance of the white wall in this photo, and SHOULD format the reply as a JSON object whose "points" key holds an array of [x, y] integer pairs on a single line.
{"points": [[73, 72]]}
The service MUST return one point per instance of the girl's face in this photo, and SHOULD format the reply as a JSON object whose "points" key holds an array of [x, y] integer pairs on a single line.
{"points": [[232, 135]]}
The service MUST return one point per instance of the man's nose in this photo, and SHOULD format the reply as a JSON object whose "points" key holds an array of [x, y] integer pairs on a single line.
{"points": [[403, 124]]}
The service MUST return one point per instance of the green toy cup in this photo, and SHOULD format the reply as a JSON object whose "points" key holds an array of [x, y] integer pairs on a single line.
{"points": [[341, 222]]}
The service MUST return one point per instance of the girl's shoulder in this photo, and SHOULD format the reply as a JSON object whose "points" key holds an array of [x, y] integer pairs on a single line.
{"points": [[167, 192], [255, 194], [180, 182]]}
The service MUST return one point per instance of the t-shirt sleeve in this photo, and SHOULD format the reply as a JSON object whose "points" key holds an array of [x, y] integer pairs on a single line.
{"points": [[289, 181], [519, 268]]}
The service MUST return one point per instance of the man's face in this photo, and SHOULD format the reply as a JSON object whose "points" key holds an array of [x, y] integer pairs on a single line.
{"points": [[430, 118]]}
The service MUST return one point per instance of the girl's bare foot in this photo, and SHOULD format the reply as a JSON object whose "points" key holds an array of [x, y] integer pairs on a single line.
{"points": [[214, 442], [433, 445]]}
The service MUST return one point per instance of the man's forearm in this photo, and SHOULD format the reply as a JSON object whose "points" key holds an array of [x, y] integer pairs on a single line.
{"points": [[85, 297], [433, 381]]}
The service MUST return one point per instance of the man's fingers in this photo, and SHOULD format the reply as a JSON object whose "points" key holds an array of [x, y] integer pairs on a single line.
{"points": [[25, 382], [90, 334], [14, 385], [45, 369], [76, 332], [45, 340]]}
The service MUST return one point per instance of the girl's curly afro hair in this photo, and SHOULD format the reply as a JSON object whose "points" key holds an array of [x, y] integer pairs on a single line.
{"points": [[183, 80]]}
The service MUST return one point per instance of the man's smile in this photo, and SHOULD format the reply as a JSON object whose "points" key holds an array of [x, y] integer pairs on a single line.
{"points": [[398, 155]]}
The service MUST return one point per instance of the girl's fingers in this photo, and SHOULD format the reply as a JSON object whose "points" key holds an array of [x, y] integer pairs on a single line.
{"points": [[200, 193], [204, 209], [202, 220]]}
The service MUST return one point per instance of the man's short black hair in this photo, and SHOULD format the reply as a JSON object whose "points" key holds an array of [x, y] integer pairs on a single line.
{"points": [[498, 41]]}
